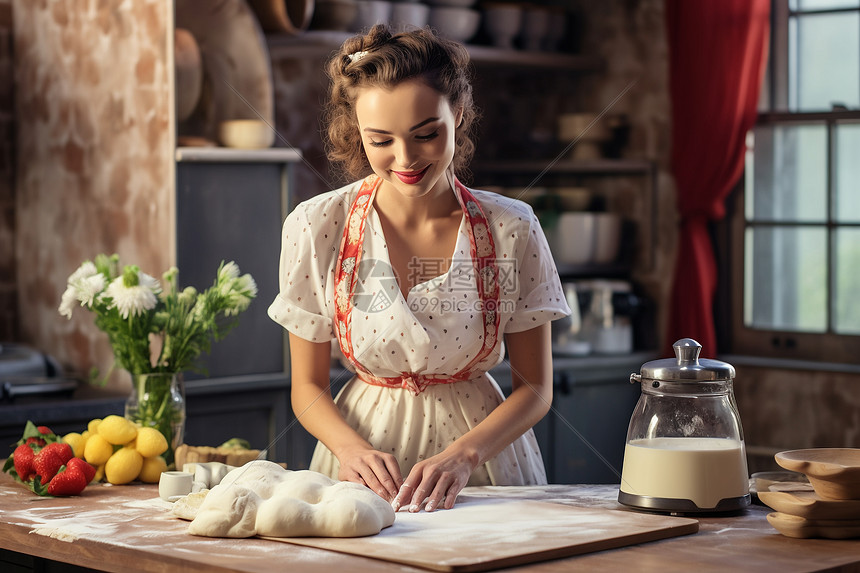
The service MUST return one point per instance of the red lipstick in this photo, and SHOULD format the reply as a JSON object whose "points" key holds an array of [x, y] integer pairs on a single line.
{"points": [[411, 177]]}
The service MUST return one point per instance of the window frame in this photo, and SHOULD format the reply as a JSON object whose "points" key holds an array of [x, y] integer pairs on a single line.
{"points": [[730, 235]]}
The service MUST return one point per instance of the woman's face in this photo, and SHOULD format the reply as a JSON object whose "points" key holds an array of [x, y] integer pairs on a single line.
{"points": [[408, 135]]}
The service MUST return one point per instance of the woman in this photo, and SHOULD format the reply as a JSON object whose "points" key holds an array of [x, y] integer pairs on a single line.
{"points": [[422, 282]]}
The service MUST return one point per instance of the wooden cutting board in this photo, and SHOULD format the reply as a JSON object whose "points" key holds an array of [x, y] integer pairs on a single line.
{"points": [[482, 533]]}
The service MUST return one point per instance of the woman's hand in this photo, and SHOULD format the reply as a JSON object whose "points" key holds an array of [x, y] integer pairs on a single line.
{"points": [[441, 477], [372, 468]]}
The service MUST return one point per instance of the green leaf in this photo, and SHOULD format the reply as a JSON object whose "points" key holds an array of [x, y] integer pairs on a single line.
{"points": [[40, 489], [30, 431], [9, 466]]}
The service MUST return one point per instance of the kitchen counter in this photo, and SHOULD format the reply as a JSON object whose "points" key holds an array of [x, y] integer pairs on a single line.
{"points": [[123, 528]]}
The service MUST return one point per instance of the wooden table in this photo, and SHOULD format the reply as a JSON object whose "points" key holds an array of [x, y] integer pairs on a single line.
{"points": [[126, 528]]}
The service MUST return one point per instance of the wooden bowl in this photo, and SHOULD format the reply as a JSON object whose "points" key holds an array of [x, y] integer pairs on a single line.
{"points": [[286, 16], [833, 472]]}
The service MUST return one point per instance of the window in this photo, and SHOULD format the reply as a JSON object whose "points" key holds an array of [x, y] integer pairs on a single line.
{"points": [[795, 260]]}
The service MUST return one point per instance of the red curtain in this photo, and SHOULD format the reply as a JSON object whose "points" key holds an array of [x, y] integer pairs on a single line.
{"points": [[717, 54]]}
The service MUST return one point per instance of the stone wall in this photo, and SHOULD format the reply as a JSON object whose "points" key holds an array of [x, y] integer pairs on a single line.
{"points": [[95, 170], [8, 290]]}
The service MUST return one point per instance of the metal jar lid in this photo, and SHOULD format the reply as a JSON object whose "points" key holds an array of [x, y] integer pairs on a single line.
{"points": [[686, 366]]}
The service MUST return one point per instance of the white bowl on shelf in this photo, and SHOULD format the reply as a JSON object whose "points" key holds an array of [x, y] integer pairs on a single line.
{"points": [[535, 27], [454, 23], [607, 237], [503, 23], [409, 15], [571, 239], [245, 134], [369, 13]]}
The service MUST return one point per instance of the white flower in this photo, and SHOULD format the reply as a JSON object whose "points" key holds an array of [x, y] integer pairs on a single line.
{"points": [[84, 286], [229, 271], [89, 288], [247, 285], [133, 300], [86, 270], [67, 304], [187, 296]]}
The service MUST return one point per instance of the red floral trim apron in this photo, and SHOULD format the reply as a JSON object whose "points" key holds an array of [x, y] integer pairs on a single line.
{"points": [[483, 251]]}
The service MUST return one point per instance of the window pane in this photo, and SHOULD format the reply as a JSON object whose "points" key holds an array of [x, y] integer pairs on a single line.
{"points": [[846, 207], [846, 308], [789, 181], [824, 61], [822, 4], [785, 279]]}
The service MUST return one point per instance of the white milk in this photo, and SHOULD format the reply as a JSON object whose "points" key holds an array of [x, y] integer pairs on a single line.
{"points": [[704, 470]]}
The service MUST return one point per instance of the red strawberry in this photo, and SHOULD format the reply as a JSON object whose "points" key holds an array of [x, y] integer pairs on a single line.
{"points": [[49, 461], [85, 468], [69, 481], [23, 457], [44, 430], [38, 442]]}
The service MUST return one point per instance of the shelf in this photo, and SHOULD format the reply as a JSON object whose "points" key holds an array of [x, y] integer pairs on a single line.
{"points": [[232, 155], [591, 167], [321, 43]]}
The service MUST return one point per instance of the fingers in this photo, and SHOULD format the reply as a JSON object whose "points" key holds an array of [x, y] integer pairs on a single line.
{"points": [[430, 491], [445, 491], [377, 477], [379, 473]]}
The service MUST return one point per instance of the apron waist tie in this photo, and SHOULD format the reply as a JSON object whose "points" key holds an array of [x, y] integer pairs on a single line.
{"points": [[412, 381]]}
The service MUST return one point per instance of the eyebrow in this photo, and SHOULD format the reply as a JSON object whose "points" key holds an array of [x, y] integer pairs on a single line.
{"points": [[413, 128]]}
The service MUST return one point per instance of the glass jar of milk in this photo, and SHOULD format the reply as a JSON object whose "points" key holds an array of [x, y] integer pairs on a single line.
{"points": [[685, 445]]}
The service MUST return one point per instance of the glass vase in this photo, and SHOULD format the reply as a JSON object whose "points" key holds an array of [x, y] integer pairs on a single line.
{"points": [[157, 400]]}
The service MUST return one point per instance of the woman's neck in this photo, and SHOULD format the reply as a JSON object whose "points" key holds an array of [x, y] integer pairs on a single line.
{"points": [[440, 203]]}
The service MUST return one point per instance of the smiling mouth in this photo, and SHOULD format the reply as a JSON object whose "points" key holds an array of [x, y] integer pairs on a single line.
{"points": [[411, 177]]}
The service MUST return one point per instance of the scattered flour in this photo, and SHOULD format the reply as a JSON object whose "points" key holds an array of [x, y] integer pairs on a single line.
{"points": [[55, 533]]}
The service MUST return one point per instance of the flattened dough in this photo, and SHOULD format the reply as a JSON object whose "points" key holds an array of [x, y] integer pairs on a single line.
{"points": [[262, 498]]}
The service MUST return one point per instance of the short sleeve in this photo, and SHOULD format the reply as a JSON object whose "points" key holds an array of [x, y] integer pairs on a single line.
{"points": [[306, 245], [541, 298]]}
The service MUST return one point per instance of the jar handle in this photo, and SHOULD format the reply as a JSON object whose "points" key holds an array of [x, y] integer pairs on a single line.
{"points": [[687, 352]]}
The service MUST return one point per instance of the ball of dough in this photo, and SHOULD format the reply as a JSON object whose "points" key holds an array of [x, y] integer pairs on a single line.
{"points": [[262, 498]]}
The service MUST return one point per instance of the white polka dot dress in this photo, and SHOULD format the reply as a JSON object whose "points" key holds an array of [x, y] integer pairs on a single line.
{"points": [[436, 329]]}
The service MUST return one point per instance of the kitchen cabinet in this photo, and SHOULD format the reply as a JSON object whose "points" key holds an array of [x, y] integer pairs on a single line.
{"points": [[230, 205], [582, 437]]}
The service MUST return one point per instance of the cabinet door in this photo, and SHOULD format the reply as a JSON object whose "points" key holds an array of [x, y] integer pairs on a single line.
{"points": [[234, 211], [589, 429]]}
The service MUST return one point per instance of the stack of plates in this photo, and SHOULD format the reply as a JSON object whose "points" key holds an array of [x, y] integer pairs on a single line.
{"points": [[832, 510]]}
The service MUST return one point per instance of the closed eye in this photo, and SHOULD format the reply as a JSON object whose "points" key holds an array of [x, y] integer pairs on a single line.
{"points": [[379, 143], [427, 137]]}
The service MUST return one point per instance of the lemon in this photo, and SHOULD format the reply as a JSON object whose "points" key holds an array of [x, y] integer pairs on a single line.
{"points": [[123, 466], [100, 473], [117, 430], [151, 442], [97, 450], [93, 426], [76, 441], [152, 468]]}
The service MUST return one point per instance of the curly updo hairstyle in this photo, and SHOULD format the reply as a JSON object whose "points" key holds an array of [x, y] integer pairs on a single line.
{"points": [[383, 59]]}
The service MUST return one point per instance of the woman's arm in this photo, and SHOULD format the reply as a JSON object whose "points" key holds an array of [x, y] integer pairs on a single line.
{"points": [[444, 475], [315, 409]]}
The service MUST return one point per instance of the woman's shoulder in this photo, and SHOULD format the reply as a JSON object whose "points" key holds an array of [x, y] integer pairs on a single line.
{"points": [[498, 206]]}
